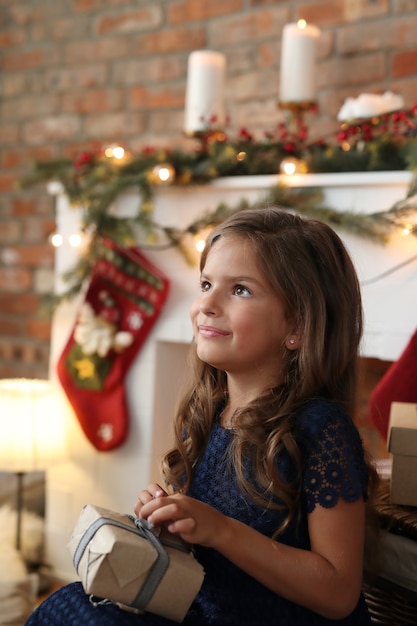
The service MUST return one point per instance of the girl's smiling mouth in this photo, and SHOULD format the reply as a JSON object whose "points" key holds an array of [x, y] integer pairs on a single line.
{"points": [[210, 331]]}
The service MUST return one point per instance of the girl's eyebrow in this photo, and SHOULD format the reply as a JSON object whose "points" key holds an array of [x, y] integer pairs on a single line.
{"points": [[235, 279]]}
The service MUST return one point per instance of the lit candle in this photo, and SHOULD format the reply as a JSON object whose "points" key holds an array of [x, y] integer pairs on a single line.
{"points": [[298, 62], [204, 94]]}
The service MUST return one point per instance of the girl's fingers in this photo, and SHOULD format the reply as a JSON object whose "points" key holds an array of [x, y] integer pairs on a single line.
{"points": [[147, 495]]}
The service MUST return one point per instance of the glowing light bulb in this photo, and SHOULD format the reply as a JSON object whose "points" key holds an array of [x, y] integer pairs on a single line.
{"points": [[56, 240], [291, 165], [75, 240], [200, 244], [118, 152], [163, 174], [114, 152]]}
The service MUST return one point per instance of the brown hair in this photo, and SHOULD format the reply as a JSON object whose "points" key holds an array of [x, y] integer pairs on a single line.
{"points": [[308, 267]]}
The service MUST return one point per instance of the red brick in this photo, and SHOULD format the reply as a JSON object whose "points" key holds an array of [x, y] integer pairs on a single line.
{"points": [[156, 98], [249, 28], [15, 280], [190, 10], [11, 159], [95, 100], [84, 6], [150, 70], [360, 70], [9, 232], [13, 85], [395, 33], [38, 329], [9, 38], [9, 134], [34, 255], [172, 40], [10, 327], [107, 48], [161, 123], [67, 79], [35, 229], [129, 22], [24, 107], [19, 61], [7, 182], [332, 12], [22, 303], [114, 126], [22, 206], [408, 90], [404, 64], [52, 128]]}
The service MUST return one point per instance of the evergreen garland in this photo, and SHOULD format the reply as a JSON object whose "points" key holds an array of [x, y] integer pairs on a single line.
{"points": [[95, 181]]}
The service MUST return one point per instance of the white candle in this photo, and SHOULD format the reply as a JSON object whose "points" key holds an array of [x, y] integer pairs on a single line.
{"points": [[298, 62], [204, 98]]}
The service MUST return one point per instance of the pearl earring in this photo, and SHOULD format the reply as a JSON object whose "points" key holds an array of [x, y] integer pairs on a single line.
{"points": [[292, 342]]}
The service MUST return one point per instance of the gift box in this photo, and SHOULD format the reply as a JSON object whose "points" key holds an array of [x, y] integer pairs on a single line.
{"points": [[402, 444], [122, 559]]}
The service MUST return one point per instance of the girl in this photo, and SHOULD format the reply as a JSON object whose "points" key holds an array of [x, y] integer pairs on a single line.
{"points": [[268, 478]]}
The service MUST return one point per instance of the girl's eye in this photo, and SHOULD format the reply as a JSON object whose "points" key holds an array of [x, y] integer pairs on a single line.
{"points": [[240, 290], [205, 285]]}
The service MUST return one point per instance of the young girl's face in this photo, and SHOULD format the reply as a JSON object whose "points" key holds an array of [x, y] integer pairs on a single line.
{"points": [[238, 321]]}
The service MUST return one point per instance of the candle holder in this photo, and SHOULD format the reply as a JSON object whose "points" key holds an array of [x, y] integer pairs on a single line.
{"points": [[294, 111], [208, 135]]}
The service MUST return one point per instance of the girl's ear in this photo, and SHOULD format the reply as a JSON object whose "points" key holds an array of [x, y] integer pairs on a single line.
{"points": [[292, 342]]}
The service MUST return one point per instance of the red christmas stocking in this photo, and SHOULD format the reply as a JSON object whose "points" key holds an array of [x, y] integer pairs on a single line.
{"points": [[124, 299], [399, 384]]}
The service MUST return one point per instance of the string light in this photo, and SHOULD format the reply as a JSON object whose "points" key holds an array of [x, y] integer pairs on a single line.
{"points": [[200, 244], [290, 166], [115, 152], [200, 238], [162, 174], [75, 240], [56, 240]]}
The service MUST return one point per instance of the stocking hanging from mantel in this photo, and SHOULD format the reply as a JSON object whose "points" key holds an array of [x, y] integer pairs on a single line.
{"points": [[398, 384], [124, 298]]}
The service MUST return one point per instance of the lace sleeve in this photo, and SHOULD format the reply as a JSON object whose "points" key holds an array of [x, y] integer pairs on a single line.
{"points": [[334, 465]]}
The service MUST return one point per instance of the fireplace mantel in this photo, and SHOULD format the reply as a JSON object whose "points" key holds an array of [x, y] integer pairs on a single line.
{"points": [[113, 479], [390, 303]]}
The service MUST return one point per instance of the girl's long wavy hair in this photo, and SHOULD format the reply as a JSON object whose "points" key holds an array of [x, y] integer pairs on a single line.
{"points": [[309, 269]]}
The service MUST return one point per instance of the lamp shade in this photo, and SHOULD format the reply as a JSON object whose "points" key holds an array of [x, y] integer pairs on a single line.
{"points": [[31, 425]]}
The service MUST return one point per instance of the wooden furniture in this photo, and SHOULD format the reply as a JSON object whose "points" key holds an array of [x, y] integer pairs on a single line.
{"points": [[390, 581]]}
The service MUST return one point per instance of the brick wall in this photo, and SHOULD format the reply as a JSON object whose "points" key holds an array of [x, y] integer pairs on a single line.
{"points": [[77, 72]]}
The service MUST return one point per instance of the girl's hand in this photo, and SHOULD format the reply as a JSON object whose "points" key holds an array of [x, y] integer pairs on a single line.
{"points": [[147, 495], [194, 521]]}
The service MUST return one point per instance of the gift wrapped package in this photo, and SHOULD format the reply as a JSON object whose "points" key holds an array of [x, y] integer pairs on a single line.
{"points": [[122, 559]]}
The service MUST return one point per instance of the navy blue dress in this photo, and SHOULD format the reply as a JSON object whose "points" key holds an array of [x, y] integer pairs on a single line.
{"points": [[333, 468]]}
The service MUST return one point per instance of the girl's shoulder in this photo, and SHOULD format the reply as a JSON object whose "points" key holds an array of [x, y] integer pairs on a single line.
{"points": [[319, 414], [332, 454]]}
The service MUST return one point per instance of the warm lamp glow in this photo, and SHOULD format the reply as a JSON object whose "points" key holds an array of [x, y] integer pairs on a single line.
{"points": [[32, 425]]}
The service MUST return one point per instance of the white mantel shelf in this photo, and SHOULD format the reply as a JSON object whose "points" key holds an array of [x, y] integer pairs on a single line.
{"points": [[113, 479]]}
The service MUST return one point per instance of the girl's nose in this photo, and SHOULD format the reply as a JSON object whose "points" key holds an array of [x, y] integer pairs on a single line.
{"points": [[209, 304]]}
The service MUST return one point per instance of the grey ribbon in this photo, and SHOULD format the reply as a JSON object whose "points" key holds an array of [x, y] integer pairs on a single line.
{"points": [[141, 528]]}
